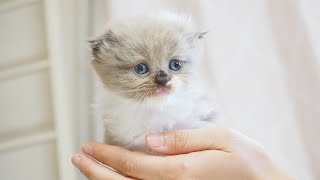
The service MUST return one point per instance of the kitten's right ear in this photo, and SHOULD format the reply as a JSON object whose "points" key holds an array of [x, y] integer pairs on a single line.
{"points": [[104, 41], [95, 45]]}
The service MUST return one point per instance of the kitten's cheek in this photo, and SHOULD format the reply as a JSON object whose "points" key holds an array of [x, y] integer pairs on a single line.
{"points": [[176, 85]]}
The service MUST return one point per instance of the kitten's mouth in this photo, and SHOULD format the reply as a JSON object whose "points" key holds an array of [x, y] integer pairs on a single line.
{"points": [[163, 90]]}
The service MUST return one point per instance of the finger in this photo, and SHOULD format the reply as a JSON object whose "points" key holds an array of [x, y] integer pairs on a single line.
{"points": [[94, 171], [133, 164], [186, 141]]}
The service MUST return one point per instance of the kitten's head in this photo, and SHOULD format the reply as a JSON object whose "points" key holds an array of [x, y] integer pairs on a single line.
{"points": [[147, 57]]}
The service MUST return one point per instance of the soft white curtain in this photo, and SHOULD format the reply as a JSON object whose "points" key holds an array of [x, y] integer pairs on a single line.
{"points": [[262, 60]]}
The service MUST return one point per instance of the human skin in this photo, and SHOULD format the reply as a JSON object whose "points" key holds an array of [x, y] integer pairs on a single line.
{"points": [[199, 154]]}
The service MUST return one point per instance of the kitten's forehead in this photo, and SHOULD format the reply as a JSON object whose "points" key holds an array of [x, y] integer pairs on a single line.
{"points": [[153, 37]]}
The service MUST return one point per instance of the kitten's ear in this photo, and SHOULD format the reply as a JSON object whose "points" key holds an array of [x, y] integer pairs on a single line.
{"points": [[104, 41], [200, 35], [95, 45]]}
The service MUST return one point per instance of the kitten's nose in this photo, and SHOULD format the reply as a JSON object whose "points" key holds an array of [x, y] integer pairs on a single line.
{"points": [[162, 78]]}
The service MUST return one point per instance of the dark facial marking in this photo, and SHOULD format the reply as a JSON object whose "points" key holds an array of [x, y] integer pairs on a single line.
{"points": [[162, 78]]}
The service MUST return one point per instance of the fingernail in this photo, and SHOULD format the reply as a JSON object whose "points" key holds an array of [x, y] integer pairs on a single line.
{"points": [[87, 149], [76, 160], [155, 139]]}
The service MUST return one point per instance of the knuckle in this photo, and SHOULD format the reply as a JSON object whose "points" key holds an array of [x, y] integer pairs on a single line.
{"points": [[179, 171], [227, 137], [180, 140], [185, 172], [125, 164]]}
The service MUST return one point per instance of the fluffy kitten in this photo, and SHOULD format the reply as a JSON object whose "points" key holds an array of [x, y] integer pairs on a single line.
{"points": [[146, 67]]}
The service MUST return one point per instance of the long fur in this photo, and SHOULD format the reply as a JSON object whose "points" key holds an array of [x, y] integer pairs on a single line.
{"points": [[127, 102]]}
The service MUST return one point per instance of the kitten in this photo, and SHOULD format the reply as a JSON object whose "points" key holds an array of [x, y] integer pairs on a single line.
{"points": [[146, 65]]}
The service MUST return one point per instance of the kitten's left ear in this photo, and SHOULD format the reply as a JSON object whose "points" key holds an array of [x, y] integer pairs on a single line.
{"points": [[194, 36], [201, 34]]}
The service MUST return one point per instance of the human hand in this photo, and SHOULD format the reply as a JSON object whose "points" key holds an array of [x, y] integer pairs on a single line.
{"points": [[208, 153]]}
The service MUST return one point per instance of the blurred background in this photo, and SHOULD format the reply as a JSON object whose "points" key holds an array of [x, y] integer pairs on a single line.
{"points": [[262, 59]]}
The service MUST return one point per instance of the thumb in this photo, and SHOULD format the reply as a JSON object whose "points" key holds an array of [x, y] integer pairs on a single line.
{"points": [[186, 141]]}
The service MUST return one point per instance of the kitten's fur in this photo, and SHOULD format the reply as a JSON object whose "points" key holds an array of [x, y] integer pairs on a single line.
{"points": [[128, 103]]}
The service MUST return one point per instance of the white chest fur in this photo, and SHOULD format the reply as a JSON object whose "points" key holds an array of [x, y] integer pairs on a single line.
{"points": [[127, 122]]}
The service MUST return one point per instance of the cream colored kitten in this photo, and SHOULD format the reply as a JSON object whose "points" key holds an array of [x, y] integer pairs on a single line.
{"points": [[146, 67]]}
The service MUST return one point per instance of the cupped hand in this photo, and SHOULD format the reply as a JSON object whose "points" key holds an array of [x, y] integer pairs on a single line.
{"points": [[208, 153]]}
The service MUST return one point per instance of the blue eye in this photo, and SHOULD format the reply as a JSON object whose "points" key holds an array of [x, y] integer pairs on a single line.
{"points": [[175, 64], [141, 68]]}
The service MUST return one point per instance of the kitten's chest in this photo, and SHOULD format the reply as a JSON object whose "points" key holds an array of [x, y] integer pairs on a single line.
{"points": [[157, 118], [182, 114], [127, 124]]}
